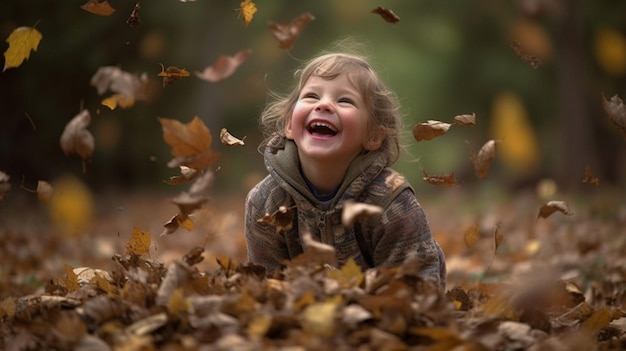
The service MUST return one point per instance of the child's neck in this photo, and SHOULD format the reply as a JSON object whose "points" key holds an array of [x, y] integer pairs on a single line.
{"points": [[323, 178]]}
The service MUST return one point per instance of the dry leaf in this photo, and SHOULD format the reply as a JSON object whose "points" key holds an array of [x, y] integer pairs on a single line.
{"points": [[471, 236], [129, 86], [354, 211], [589, 178], [22, 41], [5, 185], [115, 100], [465, 120], [177, 221], [616, 111], [134, 19], [76, 139], [482, 160], [98, 7], [195, 198], [318, 252], [172, 74], [553, 206], [71, 281], [429, 130], [186, 175], [319, 319], [44, 191], [440, 180], [139, 242], [350, 274], [386, 14], [531, 60], [497, 236], [282, 219], [190, 143], [598, 320], [287, 32], [228, 139], [224, 66], [248, 9]]}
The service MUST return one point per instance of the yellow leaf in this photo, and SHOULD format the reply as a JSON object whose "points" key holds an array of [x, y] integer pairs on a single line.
{"points": [[610, 51], [471, 235], [139, 242], [21, 41], [248, 9], [177, 304], [7, 308], [116, 100], [71, 206], [349, 275], [319, 318]]}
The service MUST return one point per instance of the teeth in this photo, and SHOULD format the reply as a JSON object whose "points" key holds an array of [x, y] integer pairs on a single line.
{"points": [[324, 125]]}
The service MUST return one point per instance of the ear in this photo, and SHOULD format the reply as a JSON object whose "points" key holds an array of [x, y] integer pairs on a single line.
{"points": [[376, 138], [288, 132]]}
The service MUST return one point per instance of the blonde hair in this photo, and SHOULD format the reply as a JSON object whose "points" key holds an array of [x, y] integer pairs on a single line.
{"points": [[382, 104]]}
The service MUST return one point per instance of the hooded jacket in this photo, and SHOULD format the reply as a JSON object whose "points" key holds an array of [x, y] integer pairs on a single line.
{"points": [[401, 232]]}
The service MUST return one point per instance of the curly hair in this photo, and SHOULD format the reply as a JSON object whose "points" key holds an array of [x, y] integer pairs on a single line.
{"points": [[382, 104]]}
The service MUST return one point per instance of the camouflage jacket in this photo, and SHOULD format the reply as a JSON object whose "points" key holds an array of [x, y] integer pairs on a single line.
{"points": [[401, 232]]}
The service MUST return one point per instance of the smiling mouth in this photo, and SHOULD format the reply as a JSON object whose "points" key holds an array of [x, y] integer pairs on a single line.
{"points": [[321, 129]]}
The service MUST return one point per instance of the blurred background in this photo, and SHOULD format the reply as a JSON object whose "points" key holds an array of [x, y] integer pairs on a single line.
{"points": [[443, 58]]}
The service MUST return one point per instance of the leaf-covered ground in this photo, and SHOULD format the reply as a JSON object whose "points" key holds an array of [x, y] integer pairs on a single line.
{"points": [[555, 283]]}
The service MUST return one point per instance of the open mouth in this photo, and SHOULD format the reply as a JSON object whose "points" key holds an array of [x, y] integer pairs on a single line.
{"points": [[321, 129]]}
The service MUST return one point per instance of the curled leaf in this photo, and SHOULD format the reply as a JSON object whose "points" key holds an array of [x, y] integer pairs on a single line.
{"points": [[616, 111], [128, 85], [195, 198], [134, 19], [497, 236], [248, 9], [354, 211], [98, 7], [554, 206], [177, 221], [21, 41], [228, 139], [287, 32], [429, 130], [224, 66], [440, 180], [281, 219], [465, 120], [172, 74], [76, 139], [386, 14], [482, 160]]}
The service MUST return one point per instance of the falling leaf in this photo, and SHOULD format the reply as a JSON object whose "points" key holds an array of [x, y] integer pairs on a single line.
{"points": [[177, 221], [497, 236], [531, 60], [471, 235], [98, 7], [465, 120], [287, 32], [134, 19], [190, 143], [350, 274], [228, 139], [44, 191], [354, 211], [5, 185], [281, 219], [429, 130], [71, 206], [139, 243], [553, 206], [195, 198], [248, 9], [616, 111], [440, 180], [589, 178], [186, 175], [129, 86], [172, 74], [386, 14], [22, 41], [115, 100], [224, 66], [318, 252], [76, 139], [482, 160]]}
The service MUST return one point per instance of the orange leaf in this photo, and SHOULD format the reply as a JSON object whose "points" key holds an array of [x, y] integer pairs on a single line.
{"points": [[224, 66], [190, 143], [387, 14], [139, 243], [172, 74], [98, 7], [440, 180], [248, 9], [287, 32], [616, 111], [76, 139], [553, 206], [471, 235], [429, 130], [228, 139], [482, 160]]}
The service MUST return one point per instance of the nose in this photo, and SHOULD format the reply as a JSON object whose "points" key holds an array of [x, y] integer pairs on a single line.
{"points": [[324, 106]]}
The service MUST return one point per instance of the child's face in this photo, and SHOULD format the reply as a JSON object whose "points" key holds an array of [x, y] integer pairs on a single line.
{"points": [[330, 121]]}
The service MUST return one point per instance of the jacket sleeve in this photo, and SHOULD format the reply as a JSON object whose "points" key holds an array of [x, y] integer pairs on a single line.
{"points": [[265, 246], [403, 232]]}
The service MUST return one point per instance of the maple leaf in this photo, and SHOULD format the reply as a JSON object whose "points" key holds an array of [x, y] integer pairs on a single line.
{"points": [[287, 32], [134, 19], [440, 180], [228, 139], [281, 219], [354, 211], [76, 139], [616, 111], [429, 130], [98, 7], [190, 143], [224, 66], [465, 120], [483, 159], [386, 14], [5, 185], [589, 178], [139, 242], [172, 74], [554, 206], [248, 9], [531, 60], [22, 41]]}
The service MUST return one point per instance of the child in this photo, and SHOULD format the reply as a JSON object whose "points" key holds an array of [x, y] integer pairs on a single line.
{"points": [[331, 140]]}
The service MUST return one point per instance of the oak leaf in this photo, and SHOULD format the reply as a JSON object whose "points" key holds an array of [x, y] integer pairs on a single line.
{"points": [[287, 32], [228, 139], [386, 14], [22, 41], [429, 130], [172, 74], [354, 211], [98, 7], [190, 143], [224, 66], [440, 180], [465, 120], [482, 160], [281, 219], [248, 9], [589, 178], [616, 111], [553, 206], [139, 242], [76, 139]]}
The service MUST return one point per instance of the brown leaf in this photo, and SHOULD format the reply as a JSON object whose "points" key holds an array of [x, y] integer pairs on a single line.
{"points": [[5, 185], [172, 74], [287, 32], [465, 120], [482, 160], [71, 280], [553, 206], [318, 252], [228, 139], [190, 143], [44, 191], [471, 235], [589, 178], [177, 221], [598, 320], [224, 66], [195, 198], [129, 86], [186, 175], [139, 242], [76, 139], [429, 130], [497, 236], [531, 60], [281, 219], [134, 19], [616, 111], [98, 7], [386, 14], [354, 211], [440, 180]]}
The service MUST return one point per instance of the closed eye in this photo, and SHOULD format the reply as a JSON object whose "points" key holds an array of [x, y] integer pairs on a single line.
{"points": [[309, 96], [346, 100]]}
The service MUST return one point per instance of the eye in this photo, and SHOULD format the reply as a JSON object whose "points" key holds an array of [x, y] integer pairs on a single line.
{"points": [[309, 95], [347, 101]]}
